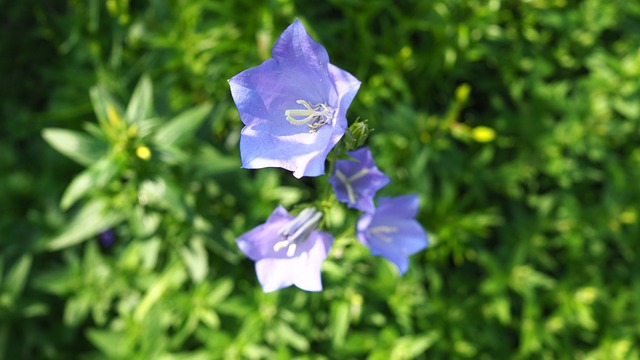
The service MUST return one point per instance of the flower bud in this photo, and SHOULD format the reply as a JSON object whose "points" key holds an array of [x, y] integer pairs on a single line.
{"points": [[357, 135]]}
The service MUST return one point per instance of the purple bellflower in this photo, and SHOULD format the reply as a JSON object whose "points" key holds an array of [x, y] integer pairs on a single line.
{"points": [[392, 232], [288, 250], [293, 106], [356, 182]]}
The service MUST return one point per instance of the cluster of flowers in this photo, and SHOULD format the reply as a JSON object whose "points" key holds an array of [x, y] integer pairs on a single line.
{"points": [[294, 109]]}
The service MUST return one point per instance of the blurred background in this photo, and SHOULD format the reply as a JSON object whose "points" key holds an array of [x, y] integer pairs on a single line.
{"points": [[121, 194]]}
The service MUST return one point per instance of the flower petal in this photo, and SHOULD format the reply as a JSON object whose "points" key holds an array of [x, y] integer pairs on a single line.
{"points": [[309, 266], [268, 145], [295, 47], [302, 270], [405, 206], [275, 274], [346, 85], [258, 243]]}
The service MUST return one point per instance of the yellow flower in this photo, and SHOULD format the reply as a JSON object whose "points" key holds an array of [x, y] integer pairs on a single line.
{"points": [[483, 134], [143, 152]]}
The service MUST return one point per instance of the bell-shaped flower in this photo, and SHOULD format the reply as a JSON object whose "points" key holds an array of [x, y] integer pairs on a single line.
{"points": [[392, 232], [288, 250], [355, 182], [293, 106]]}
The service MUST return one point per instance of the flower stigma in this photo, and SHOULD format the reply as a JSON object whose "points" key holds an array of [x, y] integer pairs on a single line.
{"points": [[382, 232], [314, 116], [297, 230], [348, 180]]}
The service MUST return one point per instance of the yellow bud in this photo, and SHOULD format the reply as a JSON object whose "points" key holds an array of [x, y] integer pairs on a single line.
{"points": [[112, 115], [462, 92], [483, 134], [586, 295], [132, 131], [406, 52], [143, 152], [628, 217]]}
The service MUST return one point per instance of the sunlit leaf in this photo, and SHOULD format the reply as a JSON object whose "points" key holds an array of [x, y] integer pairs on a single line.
{"points": [[141, 102], [93, 177], [91, 219], [16, 277], [183, 126], [79, 147], [112, 343], [196, 259]]}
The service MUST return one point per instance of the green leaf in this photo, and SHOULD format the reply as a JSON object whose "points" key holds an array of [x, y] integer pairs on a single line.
{"points": [[410, 347], [141, 102], [144, 223], [287, 334], [209, 161], [17, 277], [111, 343], [196, 259], [171, 279], [165, 194], [78, 147], [102, 101], [339, 322], [76, 309], [96, 176], [149, 253], [180, 128], [220, 292], [93, 218]]}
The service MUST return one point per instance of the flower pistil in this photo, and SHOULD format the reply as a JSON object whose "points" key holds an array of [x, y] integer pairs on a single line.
{"points": [[348, 180]]}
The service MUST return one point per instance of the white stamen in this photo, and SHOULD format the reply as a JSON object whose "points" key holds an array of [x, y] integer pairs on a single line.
{"points": [[382, 232], [314, 116], [291, 250], [291, 226], [280, 244], [306, 228]]}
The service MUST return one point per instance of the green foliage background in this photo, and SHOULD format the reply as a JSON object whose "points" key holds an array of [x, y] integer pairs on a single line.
{"points": [[534, 233]]}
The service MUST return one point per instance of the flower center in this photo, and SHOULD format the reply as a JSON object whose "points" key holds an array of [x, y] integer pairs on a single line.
{"points": [[382, 232], [313, 115], [348, 180], [297, 230]]}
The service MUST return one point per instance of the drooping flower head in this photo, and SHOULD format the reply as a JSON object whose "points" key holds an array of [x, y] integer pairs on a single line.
{"points": [[288, 250], [355, 182], [293, 106], [107, 238], [392, 232]]}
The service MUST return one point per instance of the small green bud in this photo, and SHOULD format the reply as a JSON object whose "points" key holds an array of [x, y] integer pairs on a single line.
{"points": [[357, 135]]}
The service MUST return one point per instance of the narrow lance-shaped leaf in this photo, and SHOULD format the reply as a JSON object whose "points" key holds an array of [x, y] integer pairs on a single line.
{"points": [[103, 103], [114, 344], [79, 147], [141, 102], [196, 259], [95, 176], [17, 277], [180, 128], [94, 217]]}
